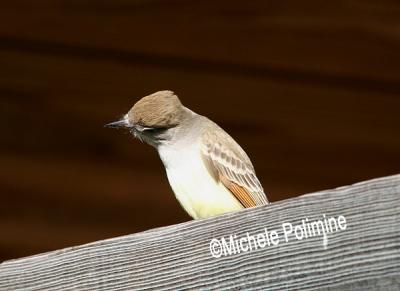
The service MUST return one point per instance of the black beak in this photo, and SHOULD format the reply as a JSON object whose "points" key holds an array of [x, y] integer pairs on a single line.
{"points": [[116, 124]]}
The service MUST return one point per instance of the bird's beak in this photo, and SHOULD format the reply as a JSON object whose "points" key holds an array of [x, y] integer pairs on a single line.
{"points": [[116, 124]]}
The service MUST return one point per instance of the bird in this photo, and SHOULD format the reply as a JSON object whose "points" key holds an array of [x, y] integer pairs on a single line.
{"points": [[208, 171]]}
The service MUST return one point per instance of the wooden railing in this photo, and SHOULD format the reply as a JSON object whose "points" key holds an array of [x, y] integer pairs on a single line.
{"points": [[346, 238]]}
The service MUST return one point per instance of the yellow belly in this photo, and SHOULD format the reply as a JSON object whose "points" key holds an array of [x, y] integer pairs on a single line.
{"points": [[197, 191]]}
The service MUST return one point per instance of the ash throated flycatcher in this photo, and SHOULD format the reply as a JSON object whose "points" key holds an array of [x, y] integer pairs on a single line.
{"points": [[208, 171]]}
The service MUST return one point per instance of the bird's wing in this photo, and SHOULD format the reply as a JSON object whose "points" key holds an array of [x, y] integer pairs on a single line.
{"points": [[228, 163]]}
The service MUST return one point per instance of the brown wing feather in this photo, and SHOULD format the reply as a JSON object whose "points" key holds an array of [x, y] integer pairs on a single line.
{"points": [[241, 193], [229, 164]]}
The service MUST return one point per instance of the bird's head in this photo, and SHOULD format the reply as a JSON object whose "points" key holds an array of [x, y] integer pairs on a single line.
{"points": [[152, 116]]}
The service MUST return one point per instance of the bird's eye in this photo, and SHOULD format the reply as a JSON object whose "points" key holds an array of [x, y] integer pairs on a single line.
{"points": [[153, 130], [141, 128], [149, 130]]}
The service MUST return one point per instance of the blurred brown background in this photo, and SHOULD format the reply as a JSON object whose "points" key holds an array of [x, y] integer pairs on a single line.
{"points": [[310, 89]]}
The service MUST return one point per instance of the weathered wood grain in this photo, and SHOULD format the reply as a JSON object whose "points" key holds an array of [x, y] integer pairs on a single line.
{"points": [[364, 256]]}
